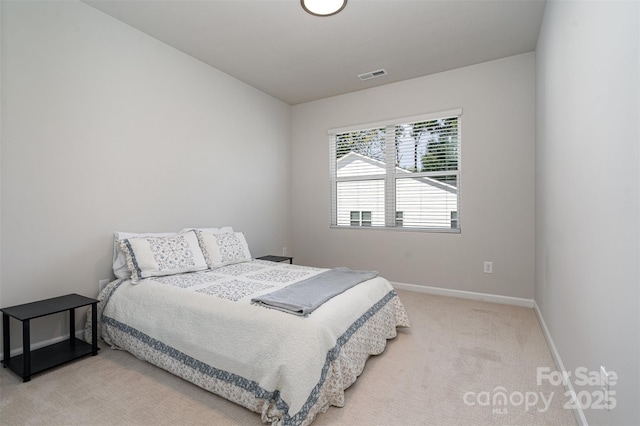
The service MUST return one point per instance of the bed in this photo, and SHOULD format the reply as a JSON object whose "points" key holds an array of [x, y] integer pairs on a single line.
{"points": [[204, 325]]}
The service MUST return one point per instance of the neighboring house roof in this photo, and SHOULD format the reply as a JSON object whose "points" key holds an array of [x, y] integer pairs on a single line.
{"points": [[352, 157]]}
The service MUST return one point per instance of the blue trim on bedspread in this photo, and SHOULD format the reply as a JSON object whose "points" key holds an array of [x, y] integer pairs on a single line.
{"points": [[197, 365], [133, 259], [251, 385], [333, 355]]}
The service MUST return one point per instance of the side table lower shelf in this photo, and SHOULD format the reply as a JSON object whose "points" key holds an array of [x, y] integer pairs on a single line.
{"points": [[50, 356]]}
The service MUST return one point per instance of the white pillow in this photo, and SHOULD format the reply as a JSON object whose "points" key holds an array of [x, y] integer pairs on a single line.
{"points": [[158, 256], [120, 268], [223, 248]]}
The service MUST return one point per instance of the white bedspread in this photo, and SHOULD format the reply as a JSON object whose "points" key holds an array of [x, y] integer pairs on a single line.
{"points": [[206, 322]]}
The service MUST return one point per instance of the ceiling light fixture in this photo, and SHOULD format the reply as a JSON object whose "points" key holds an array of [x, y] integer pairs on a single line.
{"points": [[323, 7]]}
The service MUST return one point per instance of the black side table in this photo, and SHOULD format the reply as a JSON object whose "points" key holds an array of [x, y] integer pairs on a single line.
{"points": [[272, 258], [29, 362]]}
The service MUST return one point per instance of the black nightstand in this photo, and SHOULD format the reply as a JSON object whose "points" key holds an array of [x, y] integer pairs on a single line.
{"points": [[272, 258], [28, 362]]}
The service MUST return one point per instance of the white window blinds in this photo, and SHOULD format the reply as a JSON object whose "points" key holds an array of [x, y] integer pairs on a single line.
{"points": [[397, 174]]}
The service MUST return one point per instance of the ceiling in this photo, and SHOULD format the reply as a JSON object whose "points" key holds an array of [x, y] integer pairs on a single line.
{"points": [[275, 46]]}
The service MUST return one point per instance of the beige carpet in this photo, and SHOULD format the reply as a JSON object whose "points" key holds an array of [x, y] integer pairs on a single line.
{"points": [[454, 348]]}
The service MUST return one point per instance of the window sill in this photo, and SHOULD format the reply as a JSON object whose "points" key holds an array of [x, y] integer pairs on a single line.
{"points": [[399, 229]]}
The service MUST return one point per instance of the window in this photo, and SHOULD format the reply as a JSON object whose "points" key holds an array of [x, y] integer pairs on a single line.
{"points": [[366, 219], [360, 218], [355, 218], [397, 174]]}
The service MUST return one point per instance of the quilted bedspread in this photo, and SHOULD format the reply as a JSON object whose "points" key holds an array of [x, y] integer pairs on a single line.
{"points": [[203, 327]]}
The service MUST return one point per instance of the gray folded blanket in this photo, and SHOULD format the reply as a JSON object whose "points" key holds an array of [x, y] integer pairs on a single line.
{"points": [[305, 296]]}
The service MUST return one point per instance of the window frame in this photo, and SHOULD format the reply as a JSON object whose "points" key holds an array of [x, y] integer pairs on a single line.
{"points": [[390, 177]]}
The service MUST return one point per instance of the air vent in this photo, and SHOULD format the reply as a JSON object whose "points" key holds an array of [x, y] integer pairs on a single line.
{"points": [[372, 74]]}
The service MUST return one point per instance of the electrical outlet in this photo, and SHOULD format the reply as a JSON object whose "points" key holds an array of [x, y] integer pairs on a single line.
{"points": [[102, 284], [488, 267], [284, 251]]}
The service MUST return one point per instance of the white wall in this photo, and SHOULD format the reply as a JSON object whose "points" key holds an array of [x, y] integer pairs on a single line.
{"points": [[105, 129], [588, 192], [497, 192]]}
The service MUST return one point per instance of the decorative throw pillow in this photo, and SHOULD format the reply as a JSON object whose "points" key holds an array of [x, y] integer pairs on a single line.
{"points": [[120, 268], [158, 256], [224, 248]]}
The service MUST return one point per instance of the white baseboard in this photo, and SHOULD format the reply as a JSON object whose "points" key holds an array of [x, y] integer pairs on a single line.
{"points": [[578, 413], [461, 294], [42, 344]]}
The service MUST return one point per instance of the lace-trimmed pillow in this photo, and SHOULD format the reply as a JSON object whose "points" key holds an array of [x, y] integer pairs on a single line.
{"points": [[120, 268], [159, 256], [224, 248]]}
